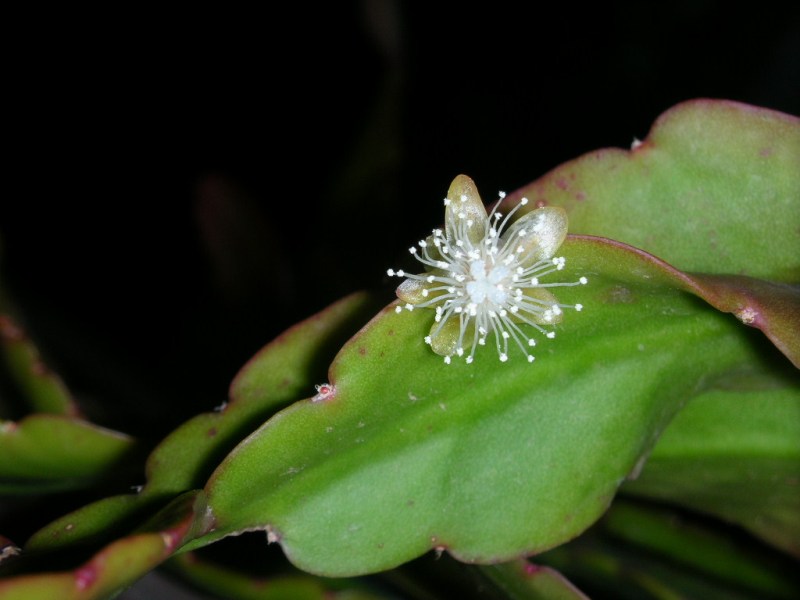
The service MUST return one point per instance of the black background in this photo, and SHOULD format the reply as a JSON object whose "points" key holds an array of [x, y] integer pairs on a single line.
{"points": [[182, 187]]}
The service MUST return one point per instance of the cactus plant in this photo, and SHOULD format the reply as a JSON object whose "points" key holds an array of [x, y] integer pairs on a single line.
{"points": [[650, 447]]}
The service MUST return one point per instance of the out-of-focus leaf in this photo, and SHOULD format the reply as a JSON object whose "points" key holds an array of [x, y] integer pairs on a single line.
{"points": [[735, 453], [234, 585], [488, 461], [646, 552], [115, 566], [43, 390], [700, 549], [93, 524], [243, 244], [45, 453], [522, 580]]}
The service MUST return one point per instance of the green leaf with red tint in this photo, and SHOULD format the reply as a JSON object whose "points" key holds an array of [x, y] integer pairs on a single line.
{"points": [[42, 390], [283, 370], [715, 188], [115, 566]]}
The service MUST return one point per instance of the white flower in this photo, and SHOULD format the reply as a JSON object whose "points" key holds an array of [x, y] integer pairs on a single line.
{"points": [[484, 279]]}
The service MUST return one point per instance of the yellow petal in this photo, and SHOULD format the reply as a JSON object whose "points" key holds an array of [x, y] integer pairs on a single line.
{"points": [[465, 216], [540, 233], [444, 337], [411, 291]]}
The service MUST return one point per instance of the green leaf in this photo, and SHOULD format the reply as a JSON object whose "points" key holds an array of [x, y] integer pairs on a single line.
{"points": [[115, 566], [42, 389], [93, 524], [402, 453], [641, 551], [771, 307], [280, 373], [715, 188], [735, 453], [287, 367], [699, 549], [235, 585], [493, 461], [184, 459], [46, 453], [488, 461], [522, 580]]}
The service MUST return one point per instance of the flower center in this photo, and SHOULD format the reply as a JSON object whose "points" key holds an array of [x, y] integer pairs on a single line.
{"points": [[488, 283]]}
